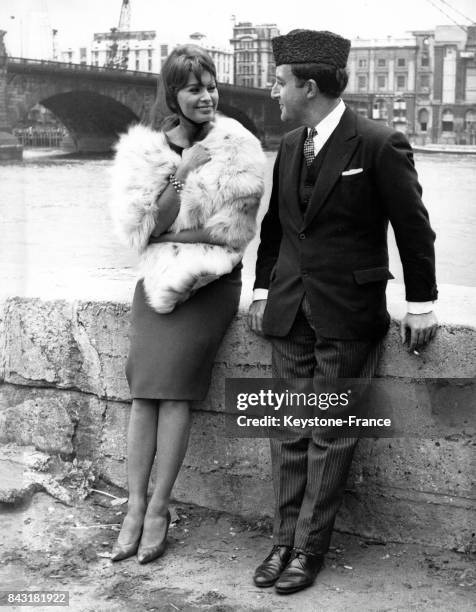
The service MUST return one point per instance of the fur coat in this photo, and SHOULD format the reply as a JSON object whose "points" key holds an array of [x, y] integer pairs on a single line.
{"points": [[221, 196]]}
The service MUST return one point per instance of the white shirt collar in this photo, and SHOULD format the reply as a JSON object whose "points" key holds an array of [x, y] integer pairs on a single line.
{"points": [[326, 126]]}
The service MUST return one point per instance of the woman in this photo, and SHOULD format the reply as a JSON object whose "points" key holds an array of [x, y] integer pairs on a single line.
{"points": [[186, 198]]}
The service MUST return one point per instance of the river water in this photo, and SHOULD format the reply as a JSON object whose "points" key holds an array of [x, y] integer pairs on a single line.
{"points": [[56, 238]]}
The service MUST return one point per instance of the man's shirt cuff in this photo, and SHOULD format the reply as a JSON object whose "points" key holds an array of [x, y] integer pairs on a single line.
{"points": [[260, 294], [412, 307], [419, 307]]}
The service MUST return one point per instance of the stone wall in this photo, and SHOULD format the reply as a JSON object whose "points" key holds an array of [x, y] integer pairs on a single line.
{"points": [[64, 392]]}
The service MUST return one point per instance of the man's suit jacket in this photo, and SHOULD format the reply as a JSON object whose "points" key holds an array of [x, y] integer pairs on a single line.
{"points": [[337, 252]]}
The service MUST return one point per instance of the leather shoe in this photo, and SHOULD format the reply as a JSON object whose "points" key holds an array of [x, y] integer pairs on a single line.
{"points": [[300, 572], [268, 572], [146, 554]]}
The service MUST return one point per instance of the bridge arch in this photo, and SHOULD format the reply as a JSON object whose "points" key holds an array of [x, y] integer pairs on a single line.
{"points": [[90, 117], [243, 118], [97, 104]]}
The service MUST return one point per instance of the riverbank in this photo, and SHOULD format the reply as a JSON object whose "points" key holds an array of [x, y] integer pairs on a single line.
{"points": [[209, 563], [445, 148]]}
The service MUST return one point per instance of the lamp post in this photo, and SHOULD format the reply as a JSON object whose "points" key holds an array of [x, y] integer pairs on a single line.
{"points": [[54, 34], [112, 51]]}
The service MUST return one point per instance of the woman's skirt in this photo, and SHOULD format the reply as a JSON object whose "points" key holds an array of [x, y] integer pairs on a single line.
{"points": [[171, 355]]}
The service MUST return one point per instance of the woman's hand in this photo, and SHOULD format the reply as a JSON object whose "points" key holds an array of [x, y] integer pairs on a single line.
{"points": [[188, 236], [167, 237], [192, 158]]}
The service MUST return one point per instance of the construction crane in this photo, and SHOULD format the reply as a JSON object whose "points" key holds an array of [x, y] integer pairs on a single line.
{"points": [[119, 58], [125, 17]]}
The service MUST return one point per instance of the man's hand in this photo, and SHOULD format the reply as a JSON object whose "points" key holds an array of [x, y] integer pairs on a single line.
{"points": [[420, 327], [255, 316]]}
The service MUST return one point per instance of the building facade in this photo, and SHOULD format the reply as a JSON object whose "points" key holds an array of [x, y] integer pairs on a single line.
{"points": [[452, 114], [423, 85], [253, 55], [222, 57], [127, 50], [382, 80]]}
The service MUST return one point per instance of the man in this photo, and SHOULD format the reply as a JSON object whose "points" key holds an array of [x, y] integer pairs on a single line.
{"points": [[323, 258]]}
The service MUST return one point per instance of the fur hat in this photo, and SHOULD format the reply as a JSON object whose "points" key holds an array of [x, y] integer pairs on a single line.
{"points": [[311, 47]]}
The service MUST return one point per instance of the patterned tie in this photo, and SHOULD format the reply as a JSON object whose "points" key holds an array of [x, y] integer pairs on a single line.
{"points": [[309, 147]]}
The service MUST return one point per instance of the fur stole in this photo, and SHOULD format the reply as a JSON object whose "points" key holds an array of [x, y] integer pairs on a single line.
{"points": [[222, 196]]}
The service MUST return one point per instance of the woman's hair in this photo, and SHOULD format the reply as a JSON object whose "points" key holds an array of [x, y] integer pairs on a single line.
{"points": [[177, 67], [331, 80]]}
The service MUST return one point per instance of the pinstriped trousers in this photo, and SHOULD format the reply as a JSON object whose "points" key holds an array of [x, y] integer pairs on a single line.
{"points": [[309, 473]]}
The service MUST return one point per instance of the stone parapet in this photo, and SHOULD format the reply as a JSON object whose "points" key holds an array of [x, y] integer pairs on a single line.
{"points": [[64, 392]]}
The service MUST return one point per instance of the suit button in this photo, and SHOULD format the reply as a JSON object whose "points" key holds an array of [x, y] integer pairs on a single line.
{"points": [[302, 236], [305, 272]]}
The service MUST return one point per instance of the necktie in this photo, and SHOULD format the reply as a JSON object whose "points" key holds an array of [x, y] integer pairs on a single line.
{"points": [[309, 147]]}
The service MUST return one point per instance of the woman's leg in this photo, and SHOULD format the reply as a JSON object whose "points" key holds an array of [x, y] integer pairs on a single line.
{"points": [[172, 441], [141, 446]]}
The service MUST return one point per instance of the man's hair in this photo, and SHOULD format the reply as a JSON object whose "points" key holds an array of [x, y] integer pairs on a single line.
{"points": [[177, 67], [331, 80]]}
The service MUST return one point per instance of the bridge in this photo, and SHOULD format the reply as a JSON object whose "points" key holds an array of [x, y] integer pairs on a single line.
{"points": [[96, 104]]}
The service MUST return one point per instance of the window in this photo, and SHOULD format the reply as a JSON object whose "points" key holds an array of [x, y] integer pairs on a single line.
{"points": [[164, 50], [425, 60], [379, 110], [424, 81], [447, 121], [137, 64], [362, 109], [470, 120], [381, 62], [423, 119], [362, 82], [381, 81], [470, 89], [362, 63], [149, 65], [401, 81], [401, 62], [399, 111]]}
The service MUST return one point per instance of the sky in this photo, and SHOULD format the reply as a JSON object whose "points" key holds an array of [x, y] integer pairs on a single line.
{"points": [[174, 20]]}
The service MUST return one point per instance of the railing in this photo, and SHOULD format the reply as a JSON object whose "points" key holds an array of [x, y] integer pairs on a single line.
{"points": [[40, 137], [113, 72], [85, 68]]}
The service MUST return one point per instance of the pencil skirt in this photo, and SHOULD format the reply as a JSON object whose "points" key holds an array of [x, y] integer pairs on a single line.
{"points": [[171, 355]]}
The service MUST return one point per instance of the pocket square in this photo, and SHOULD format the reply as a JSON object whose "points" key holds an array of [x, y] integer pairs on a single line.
{"points": [[353, 171]]}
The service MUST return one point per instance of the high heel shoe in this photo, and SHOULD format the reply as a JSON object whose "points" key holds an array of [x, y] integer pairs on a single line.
{"points": [[146, 554], [120, 551]]}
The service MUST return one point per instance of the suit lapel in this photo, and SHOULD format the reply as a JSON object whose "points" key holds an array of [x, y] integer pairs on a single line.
{"points": [[343, 144], [292, 173]]}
